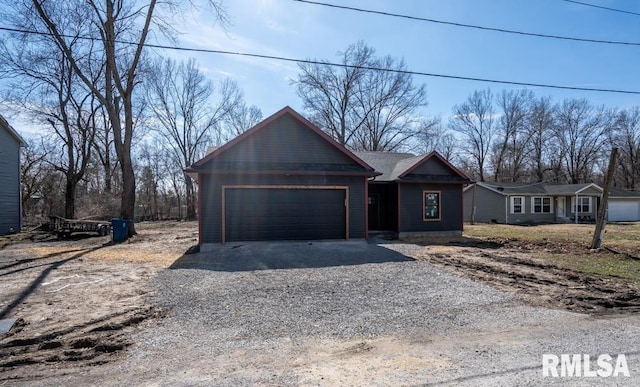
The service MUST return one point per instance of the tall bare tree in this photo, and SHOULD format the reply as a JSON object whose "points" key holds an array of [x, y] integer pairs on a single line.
{"points": [[474, 120], [46, 87], [626, 137], [387, 103], [512, 140], [241, 117], [33, 173], [181, 100], [540, 131], [114, 23], [366, 103], [433, 135], [581, 131]]}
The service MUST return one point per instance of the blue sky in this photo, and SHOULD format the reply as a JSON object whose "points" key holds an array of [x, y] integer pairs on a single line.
{"points": [[297, 30]]}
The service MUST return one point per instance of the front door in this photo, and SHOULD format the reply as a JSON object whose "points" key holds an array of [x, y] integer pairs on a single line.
{"points": [[374, 211], [562, 207]]}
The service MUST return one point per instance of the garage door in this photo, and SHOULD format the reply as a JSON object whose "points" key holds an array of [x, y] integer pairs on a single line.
{"points": [[284, 213], [623, 211]]}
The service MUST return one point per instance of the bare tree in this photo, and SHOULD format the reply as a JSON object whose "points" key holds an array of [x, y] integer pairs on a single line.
{"points": [[45, 86], [240, 118], [540, 131], [512, 140], [433, 135], [329, 93], [33, 172], [474, 121], [580, 130], [113, 22], [626, 137], [366, 103], [181, 100], [386, 104]]}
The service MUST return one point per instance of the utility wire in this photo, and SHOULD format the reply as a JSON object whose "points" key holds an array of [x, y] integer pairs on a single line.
{"points": [[602, 7], [397, 15], [318, 62]]}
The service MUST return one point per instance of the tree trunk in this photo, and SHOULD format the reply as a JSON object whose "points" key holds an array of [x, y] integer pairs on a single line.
{"points": [[70, 198], [191, 199]]}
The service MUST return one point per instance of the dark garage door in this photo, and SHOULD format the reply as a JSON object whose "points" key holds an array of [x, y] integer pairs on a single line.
{"points": [[253, 214]]}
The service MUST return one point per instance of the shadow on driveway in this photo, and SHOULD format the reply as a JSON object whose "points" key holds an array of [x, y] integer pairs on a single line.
{"points": [[249, 256]]}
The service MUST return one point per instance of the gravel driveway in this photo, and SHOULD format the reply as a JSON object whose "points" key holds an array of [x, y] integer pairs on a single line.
{"points": [[350, 313]]}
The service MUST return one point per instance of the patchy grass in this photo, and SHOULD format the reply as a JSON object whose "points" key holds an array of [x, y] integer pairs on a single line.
{"points": [[567, 245]]}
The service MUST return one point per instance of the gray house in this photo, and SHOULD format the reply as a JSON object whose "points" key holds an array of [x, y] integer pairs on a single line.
{"points": [[414, 195], [10, 211], [527, 203], [285, 179]]}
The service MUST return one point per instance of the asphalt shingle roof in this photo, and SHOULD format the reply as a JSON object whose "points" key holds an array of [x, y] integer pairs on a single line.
{"points": [[391, 165], [553, 189]]}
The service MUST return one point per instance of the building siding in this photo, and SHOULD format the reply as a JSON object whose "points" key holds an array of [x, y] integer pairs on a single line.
{"points": [[283, 141], [9, 183], [490, 206], [433, 166], [411, 208]]}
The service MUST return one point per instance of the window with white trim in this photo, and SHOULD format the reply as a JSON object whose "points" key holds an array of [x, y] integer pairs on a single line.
{"points": [[583, 205], [517, 204], [541, 205]]}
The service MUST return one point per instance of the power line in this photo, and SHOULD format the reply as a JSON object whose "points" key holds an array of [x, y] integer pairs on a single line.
{"points": [[317, 62], [494, 29], [602, 7]]}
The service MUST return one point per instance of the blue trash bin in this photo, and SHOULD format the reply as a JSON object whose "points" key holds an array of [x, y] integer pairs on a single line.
{"points": [[120, 229]]}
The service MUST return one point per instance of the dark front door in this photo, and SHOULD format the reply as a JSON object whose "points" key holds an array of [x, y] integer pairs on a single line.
{"points": [[374, 211]]}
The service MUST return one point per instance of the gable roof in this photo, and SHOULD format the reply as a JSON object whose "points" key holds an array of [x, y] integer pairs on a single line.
{"points": [[544, 189], [12, 132], [616, 192], [265, 123], [399, 166]]}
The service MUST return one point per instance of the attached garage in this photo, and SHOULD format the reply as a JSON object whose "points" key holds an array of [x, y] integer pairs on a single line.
{"points": [[623, 206], [283, 179], [623, 211], [256, 213]]}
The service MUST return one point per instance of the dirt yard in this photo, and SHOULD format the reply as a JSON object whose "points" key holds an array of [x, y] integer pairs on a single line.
{"points": [[78, 300], [81, 301]]}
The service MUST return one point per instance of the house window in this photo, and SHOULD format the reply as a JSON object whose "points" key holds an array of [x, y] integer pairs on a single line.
{"points": [[431, 205], [517, 204], [541, 205], [583, 205]]}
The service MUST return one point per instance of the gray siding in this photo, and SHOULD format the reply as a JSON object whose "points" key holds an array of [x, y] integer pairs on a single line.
{"points": [[490, 206], [211, 198], [284, 141], [433, 166], [529, 217], [411, 208], [9, 182]]}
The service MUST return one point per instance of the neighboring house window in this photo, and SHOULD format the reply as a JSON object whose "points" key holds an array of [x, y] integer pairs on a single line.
{"points": [[583, 205], [517, 204], [541, 205], [431, 205]]}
